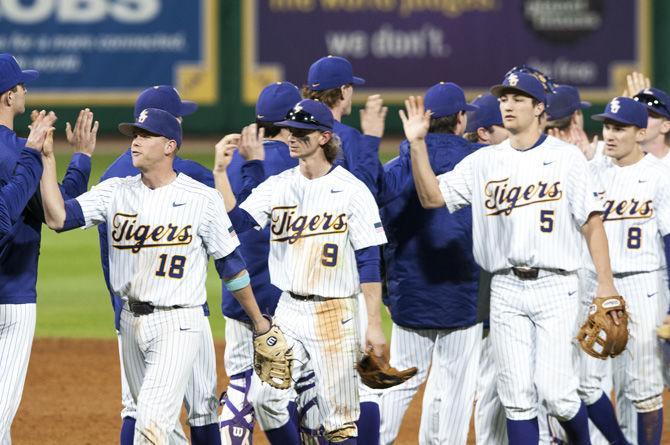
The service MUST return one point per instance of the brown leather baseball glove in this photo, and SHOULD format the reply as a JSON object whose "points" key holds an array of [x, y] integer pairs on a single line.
{"points": [[599, 336], [376, 373], [273, 358]]}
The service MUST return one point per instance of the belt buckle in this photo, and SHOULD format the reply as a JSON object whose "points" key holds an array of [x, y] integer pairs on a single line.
{"points": [[526, 273], [139, 308]]}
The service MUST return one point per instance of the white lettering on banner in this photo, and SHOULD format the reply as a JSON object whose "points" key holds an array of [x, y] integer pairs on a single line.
{"points": [[79, 11]]}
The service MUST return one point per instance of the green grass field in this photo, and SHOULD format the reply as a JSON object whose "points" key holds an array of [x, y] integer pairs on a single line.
{"points": [[72, 298]]}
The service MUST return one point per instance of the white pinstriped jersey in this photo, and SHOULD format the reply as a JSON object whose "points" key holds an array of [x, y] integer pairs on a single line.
{"points": [[637, 212], [315, 226], [527, 206], [665, 160], [160, 239]]}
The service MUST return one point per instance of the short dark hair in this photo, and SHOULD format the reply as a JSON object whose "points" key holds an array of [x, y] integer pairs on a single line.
{"points": [[444, 124], [271, 130], [329, 97], [471, 137]]}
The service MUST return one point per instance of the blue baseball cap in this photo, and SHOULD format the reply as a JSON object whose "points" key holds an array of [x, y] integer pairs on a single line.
{"points": [[656, 101], [164, 97], [564, 101], [276, 100], [331, 72], [624, 110], [309, 114], [445, 99], [11, 74], [154, 121], [487, 114], [523, 83]]}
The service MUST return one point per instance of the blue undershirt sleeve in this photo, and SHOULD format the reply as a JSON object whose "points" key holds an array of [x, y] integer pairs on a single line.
{"points": [[74, 216], [242, 221], [368, 264], [230, 265], [253, 173]]}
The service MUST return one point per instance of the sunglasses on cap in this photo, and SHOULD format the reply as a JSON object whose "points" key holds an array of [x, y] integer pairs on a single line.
{"points": [[651, 101], [546, 81], [304, 117]]}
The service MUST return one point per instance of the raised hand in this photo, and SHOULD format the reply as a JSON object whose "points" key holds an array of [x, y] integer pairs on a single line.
{"points": [[41, 125], [373, 116], [83, 137], [223, 151], [416, 119], [251, 143], [635, 82]]}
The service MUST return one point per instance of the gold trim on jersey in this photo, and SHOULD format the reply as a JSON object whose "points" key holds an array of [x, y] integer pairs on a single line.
{"points": [[627, 209], [287, 226], [503, 198], [130, 236]]}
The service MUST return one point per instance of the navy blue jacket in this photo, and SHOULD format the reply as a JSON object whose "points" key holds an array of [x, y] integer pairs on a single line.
{"points": [[356, 149], [21, 249], [120, 168], [255, 244], [430, 269]]}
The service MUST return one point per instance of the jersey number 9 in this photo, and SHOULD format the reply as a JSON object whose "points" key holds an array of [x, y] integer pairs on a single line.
{"points": [[175, 268], [329, 255]]}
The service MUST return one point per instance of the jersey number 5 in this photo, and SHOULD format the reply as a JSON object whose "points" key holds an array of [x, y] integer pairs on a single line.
{"points": [[175, 268], [546, 221]]}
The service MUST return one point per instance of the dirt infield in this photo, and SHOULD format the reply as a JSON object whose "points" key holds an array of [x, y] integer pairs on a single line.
{"points": [[72, 396]]}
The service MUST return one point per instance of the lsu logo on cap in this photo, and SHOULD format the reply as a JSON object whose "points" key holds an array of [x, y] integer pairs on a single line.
{"points": [[513, 80], [143, 116], [615, 106]]}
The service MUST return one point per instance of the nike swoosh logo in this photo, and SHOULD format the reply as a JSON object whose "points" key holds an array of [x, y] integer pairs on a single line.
{"points": [[642, 182], [174, 204], [547, 162], [345, 321], [335, 191], [570, 294], [651, 295]]}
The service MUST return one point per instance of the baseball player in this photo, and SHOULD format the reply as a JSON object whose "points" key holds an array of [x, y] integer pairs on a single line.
{"points": [[432, 286], [325, 229], [237, 416], [531, 196], [201, 396], [162, 228], [657, 139], [635, 190], [18, 261], [331, 80], [485, 126], [565, 119]]}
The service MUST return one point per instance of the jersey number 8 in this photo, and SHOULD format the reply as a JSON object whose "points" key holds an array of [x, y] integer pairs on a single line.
{"points": [[175, 269], [634, 238]]}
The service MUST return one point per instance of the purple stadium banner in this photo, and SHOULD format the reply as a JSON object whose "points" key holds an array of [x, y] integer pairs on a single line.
{"points": [[404, 46]]}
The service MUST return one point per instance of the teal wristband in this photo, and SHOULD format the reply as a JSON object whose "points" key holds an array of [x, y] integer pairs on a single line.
{"points": [[238, 283]]}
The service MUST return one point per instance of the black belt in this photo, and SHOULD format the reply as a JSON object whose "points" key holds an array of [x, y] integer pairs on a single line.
{"points": [[142, 308], [526, 273], [304, 297]]}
